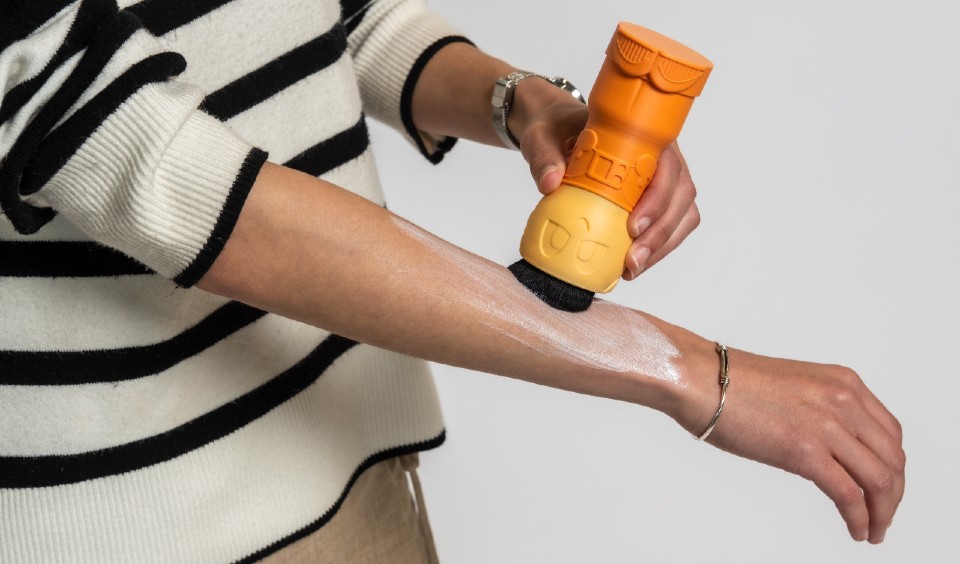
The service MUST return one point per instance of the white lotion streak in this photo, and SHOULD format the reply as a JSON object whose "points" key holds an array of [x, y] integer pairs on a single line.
{"points": [[606, 336]]}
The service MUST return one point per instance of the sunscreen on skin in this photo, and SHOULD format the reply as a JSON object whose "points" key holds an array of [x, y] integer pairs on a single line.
{"points": [[606, 336]]}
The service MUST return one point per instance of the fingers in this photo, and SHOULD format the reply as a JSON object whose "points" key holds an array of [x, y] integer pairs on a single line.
{"points": [[880, 433], [659, 194], [881, 413], [881, 487], [547, 142], [640, 259], [866, 450], [665, 215], [834, 481]]}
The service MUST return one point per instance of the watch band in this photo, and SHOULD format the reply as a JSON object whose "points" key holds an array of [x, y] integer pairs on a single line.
{"points": [[502, 100]]}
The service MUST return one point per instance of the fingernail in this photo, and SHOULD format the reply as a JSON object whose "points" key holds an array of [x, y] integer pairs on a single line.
{"points": [[862, 536], [640, 226], [546, 170], [641, 257]]}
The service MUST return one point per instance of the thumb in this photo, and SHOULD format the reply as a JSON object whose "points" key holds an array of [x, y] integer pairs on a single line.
{"points": [[547, 158]]}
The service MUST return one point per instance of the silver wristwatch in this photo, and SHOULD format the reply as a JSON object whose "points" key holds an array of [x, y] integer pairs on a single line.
{"points": [[502, 100]]}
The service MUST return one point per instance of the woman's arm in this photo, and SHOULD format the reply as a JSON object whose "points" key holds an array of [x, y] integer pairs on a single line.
{"points": [[311, 251]]}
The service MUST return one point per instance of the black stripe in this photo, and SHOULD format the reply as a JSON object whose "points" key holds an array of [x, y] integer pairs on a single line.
{"points": [[55, 470], [354, 22], [61, 144], [333, 152], [72, 259], [280, 73], [109, 37], [20, 19], [406, 99], [65, 368], [350, 9], [364, 466], [163, 16], [227, 219], [84, 24]]}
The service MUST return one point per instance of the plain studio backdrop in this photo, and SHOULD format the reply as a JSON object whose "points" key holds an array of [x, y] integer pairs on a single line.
{"points": [[821, 149]]}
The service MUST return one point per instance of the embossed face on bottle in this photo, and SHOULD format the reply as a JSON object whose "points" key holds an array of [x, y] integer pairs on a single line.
{"points": [[578, 237], [585, 254]]}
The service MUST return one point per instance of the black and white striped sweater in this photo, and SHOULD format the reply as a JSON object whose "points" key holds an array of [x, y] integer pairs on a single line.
{"points": [[142, 420]]}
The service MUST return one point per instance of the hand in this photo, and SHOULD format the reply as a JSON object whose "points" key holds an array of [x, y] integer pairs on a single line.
{"points": [[665, 214], [817, 421]]}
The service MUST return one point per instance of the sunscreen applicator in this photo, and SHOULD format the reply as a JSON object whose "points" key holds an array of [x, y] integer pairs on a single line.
{"points": [[576, 239]]}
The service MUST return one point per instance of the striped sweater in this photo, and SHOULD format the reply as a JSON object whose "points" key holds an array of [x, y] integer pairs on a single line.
{"points": [[142, 420]]}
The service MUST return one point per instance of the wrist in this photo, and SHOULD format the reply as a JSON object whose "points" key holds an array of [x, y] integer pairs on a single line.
{"points": [[692, 402], [531, 97], [519, 111]]}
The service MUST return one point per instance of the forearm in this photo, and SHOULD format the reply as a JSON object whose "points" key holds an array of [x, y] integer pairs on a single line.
{"points": [[310, 251], [452, 96]]}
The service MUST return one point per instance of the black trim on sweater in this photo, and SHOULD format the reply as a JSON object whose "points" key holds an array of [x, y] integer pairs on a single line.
{"points": [[70, 368], [66, 140], [333, 151], [160, 17], [352, 12], [20, 19], [354, 22], [25, 218], [84, 24], [406, 99], [55, 470], [277, 75], [351, 8], [371, 461], [227, 219], [65, 259]]}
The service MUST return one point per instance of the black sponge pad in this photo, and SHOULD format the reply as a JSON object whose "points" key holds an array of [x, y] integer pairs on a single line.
{"points": [[555, 292]]}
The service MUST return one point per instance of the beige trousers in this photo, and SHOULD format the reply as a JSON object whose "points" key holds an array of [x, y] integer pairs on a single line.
{"points": [[380, 522]]}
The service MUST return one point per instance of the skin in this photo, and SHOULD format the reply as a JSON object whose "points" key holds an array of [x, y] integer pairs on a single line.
{"points": [[297, 251]]}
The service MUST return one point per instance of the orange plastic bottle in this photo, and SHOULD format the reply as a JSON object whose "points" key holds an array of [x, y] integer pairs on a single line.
{"points": [[637, 107]]}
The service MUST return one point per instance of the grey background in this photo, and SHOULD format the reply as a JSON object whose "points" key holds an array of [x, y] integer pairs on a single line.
{"points": [[822, 149]]}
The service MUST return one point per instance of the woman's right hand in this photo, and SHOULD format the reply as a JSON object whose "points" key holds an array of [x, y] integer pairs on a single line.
{"points": [[817, 421]]}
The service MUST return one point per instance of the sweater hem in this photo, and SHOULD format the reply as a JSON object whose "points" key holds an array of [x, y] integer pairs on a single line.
{"points": [[368, 463]]}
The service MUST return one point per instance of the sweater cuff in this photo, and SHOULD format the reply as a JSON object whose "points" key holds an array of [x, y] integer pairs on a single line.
{"points": [[209, 172], [390, 61], [159, 180], [432, 147]]}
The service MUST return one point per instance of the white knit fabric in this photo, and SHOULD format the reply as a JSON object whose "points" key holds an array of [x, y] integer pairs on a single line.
{"points": [[385, 46], [153, 181], [160, 203], [140, 518]]}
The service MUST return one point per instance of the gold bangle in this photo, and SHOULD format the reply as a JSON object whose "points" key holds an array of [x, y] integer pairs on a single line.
{"points": [[724, 382]]}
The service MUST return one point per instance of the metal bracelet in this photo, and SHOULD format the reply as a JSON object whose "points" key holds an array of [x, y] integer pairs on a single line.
{"points": [[724, 382]]}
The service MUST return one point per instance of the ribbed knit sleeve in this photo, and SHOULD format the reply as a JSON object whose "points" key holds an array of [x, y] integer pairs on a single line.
{"points": [[94, 127], [391, 42]]}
